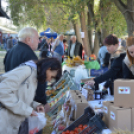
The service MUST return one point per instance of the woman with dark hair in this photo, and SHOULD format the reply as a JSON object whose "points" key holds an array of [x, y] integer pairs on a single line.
{"points": [[128, 64], [17, 91], [115, 67]]}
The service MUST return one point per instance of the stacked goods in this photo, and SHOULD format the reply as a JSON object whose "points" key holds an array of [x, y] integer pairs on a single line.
{"points": [[66, 83], [120, 114], [75, 61]]}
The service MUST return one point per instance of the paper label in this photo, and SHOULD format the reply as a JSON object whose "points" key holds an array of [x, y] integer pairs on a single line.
{"points": [[124, 90], [85, 93], [98, 96], [82, 34], [105, 109], [112, 115]]}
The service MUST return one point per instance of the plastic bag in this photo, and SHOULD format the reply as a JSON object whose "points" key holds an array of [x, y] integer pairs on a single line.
{"points": [[36, 123]]}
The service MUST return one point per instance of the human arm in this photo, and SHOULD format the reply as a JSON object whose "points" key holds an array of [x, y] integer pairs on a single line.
{"points": [[113, 72]]}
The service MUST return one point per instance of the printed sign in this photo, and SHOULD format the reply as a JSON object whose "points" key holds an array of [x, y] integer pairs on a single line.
{"points": [[124, 90], [105, 109], [112, 115]]}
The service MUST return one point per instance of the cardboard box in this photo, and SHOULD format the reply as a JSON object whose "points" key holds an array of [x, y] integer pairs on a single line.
{"points": [[80, 105], [106, 106], [124, 93], [77, 91], [120, 118], [132, 119]]}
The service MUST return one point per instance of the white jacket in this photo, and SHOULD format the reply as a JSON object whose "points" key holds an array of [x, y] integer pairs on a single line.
{"points": [[17, 91]]}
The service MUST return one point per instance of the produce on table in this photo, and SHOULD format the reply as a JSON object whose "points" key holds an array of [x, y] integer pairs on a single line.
{"points": [[77, 130], [75, 61]]}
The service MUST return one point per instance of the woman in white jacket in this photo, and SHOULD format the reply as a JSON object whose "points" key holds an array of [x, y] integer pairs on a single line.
{"points": [[17, 91]]}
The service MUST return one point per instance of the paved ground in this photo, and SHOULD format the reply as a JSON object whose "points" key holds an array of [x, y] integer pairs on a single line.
{"points": [[2, 55]]}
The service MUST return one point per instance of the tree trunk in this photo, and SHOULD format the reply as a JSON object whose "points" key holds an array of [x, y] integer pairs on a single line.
{"points": [[84, 29], [97, 39], [90, 32], [104, 12], [96, 44], [77, 32], [128, 13], [130, 24]]}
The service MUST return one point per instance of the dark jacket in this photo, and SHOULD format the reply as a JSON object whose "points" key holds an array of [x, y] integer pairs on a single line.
{"points": [[77, 50], [128, 71], [20, 54], [115, 71]]}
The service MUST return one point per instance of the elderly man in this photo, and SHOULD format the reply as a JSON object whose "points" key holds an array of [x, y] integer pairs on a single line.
{"points": [[24, 51], [74, 48]]}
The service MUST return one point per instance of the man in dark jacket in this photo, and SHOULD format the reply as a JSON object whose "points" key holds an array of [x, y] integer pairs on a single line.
{"points": [[74, 48], [24, 51], [115, 71]]}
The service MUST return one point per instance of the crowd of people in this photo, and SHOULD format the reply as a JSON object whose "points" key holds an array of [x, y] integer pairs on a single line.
{"points": [[22, 88], [60, 47], [9, 42]]}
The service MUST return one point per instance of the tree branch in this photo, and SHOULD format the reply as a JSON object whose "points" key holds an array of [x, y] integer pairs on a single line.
{"points": [[120, 5]]}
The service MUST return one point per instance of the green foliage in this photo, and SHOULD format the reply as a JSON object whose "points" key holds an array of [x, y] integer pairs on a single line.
{"points": [[108, 17], [58, 14], [115, 21]]}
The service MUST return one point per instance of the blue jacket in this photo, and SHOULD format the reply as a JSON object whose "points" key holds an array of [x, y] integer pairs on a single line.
{"points": [[60, 48]]}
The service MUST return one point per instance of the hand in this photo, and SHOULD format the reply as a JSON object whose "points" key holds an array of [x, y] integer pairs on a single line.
{"points": [[33, 113], [104, 88], [40, 108], [91, 82], [47, 108]]}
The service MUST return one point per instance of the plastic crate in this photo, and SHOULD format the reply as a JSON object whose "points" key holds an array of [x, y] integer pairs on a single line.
{"points": [[84, 119], [67, 78], [53, 110], [89, 130], [95, 125], [59, 98], [61, 92]]}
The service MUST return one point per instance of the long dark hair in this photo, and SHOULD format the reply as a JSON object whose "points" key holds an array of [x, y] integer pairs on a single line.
{"points": [[44, 64]]}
